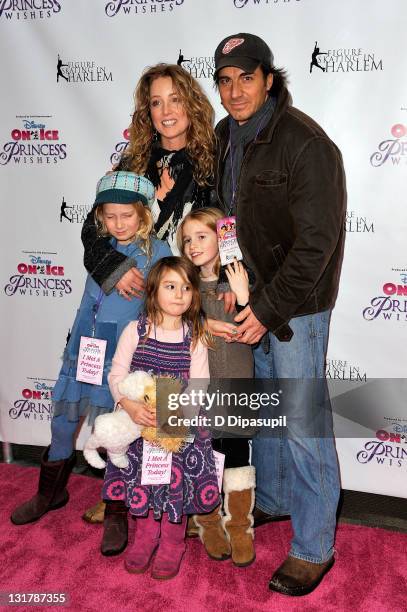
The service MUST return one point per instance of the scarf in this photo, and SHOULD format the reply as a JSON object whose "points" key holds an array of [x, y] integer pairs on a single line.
{"points": [[180, 170], [239, 137]]}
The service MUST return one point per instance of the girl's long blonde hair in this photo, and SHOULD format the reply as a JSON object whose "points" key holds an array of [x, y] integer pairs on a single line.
{"points": [[200, 137], [143, 233], [207, 216]]}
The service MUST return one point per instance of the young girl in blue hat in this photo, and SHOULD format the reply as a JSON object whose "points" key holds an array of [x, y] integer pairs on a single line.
{"points": [[123, 218]]}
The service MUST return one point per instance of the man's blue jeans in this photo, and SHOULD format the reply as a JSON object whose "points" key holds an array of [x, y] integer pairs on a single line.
{"points": [[298, 474]]}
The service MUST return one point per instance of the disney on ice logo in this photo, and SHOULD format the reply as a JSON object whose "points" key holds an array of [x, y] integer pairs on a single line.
{"points": [[390, 305], [74, 213], [388, 449], [39, 277], [141, 6], [82, 71], [357, 225], [343, 60], [202, 67], [29, 9], [35, 402], [394, 149], [242, 3], [33, 143], [120, 148], [338, 369]]}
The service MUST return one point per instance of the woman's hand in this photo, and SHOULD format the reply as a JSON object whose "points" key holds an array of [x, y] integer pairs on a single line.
{"points": [[140, 412], [238, 281], [224, 330], [131, 284]]}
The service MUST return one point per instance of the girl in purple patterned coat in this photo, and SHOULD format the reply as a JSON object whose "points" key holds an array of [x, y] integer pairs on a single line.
{"points": [[168, 339]]}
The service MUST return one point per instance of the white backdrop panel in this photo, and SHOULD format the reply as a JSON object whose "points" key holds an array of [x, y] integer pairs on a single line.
{"points": [[104, 46]]}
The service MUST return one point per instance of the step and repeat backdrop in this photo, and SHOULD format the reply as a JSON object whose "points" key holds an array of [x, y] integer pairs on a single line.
{"points": [[68, 72]]}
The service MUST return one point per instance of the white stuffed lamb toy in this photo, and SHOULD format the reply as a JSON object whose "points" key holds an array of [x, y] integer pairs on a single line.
{"points": [[116, 431]]}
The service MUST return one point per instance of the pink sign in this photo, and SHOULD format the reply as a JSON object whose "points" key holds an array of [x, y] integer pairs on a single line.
{"points": [[91, 360], [156, 466]]}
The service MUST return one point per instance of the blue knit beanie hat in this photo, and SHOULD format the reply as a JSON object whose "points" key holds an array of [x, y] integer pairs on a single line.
{"points": [[124, 188]]}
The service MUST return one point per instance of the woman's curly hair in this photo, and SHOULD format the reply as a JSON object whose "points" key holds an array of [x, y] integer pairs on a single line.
{"points": [[200, 137]]}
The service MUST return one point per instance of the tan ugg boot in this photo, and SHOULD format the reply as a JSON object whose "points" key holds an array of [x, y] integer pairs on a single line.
{"points": [[192, 528], [213, 535], [238, 487], [96, 514]]}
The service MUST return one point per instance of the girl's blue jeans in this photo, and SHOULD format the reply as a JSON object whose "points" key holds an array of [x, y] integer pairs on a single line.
{"points": [[62, 438]]}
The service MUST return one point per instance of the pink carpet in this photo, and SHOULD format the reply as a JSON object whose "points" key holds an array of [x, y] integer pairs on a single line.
{"points": [[60, 553]]}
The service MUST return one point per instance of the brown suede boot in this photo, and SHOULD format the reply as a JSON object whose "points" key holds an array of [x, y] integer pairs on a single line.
{"points": [[192, 527], [115, 528], [96, 514], [51, 493], [238, 487], [213, 535]]}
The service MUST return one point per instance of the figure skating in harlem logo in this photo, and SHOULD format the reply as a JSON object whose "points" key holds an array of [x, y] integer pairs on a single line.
{"points": [[341, 369], [74, 213], [354, 59], [23, 10], [141, 7], [356, 224], [82, 71], [199, 67], [35, 401], [181, 59], [63, 214], [314, 60], [391, 304], [33, 142], [393, 149], [38, 276], [60, 65]]}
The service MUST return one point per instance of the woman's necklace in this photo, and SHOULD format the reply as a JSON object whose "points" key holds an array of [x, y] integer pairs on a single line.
{"points": [[163, 165]]}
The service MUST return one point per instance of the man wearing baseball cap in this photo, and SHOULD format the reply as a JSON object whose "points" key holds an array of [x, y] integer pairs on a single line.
{"points": [[283, 178]]}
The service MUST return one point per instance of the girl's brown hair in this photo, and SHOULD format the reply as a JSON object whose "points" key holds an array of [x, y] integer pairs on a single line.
{"points": [[207, 216], [194, 316], [200, 136], [144, 231]]}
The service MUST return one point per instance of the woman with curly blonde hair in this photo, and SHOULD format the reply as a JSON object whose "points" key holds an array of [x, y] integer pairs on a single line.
{"points": [[186, 93]]}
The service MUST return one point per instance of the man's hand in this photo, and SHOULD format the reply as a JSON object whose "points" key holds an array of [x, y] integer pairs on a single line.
{"points": [[229, 299], [224, 330], [140, 412], [251, 330], [131, 284]]}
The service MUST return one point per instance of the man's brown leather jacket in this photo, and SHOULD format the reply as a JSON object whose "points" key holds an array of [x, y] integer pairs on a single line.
{"points": [[290, 209]]}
